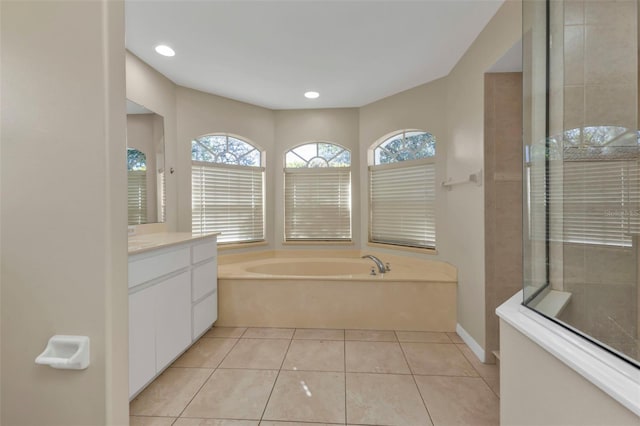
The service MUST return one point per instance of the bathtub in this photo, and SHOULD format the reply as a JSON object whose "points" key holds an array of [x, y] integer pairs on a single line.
{"points": [[337, 292]]}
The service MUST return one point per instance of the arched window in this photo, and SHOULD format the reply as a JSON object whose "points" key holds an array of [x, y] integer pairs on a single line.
{"points": [[402, 190], [136, 186], [317, 186], [227, 188]]}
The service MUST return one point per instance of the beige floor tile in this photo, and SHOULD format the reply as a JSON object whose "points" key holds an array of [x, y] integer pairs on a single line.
{"points": [[169, 393], [318, 334], [225, 332], [459, 400], [455, 338], [371, 335], [386, 399], [264, 354], [485, 370], [268, 333], [270, 423], [422, 336], [494, 384], [375, 357], [306, 396], [150, 421], [206, 352], [214, 422], [233, 394], [315, 355], [439, 359]]}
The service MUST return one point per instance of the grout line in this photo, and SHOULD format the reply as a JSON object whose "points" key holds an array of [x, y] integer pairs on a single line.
{"points": [[415, 382], [207, 379], [264, 410]]}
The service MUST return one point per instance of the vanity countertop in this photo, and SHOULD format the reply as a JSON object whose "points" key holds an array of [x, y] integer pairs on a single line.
{"points": [[146, 242]]}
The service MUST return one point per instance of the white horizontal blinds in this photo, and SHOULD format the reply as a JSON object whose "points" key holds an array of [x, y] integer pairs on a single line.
{"points": [[162, 202], [536, 202], [600, 202], [590, 202], [228, 199], [317, 204], [403, 204], [137, 196]]}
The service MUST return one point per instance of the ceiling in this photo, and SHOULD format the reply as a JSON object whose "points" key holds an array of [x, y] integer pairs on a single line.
{"points": [[269, 53]]}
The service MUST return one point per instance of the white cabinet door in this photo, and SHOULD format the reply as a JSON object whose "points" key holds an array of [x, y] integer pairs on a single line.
{"points": [[142, 336], [173, 318], [205, 280]]}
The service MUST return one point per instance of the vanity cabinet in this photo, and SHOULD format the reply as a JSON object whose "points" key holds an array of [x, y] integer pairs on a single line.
{"points": [[172, 302]]}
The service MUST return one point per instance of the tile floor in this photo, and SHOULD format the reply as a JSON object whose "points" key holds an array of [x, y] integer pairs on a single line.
{"points": [[293, 377]]}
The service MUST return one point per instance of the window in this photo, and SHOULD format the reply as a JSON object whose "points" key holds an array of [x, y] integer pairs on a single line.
{"points": [[402, 190], [136, 186], [227, 188], [317, 193], [593, 186]]}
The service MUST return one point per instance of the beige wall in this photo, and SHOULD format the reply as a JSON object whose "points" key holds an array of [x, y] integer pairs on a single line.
{"points": [[464, 245], [199, 114], [423, 108], [538, 389], [64, 257], [149, 88], [292, 128]]}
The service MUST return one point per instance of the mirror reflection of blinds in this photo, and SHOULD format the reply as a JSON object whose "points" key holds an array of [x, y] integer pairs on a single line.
{"points": [[402, 205], [591, 202], [228, 199], [317, 204], [162, 202], [137, 196]]}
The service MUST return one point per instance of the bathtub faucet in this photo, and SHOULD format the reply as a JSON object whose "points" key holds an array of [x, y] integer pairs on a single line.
{"points": [[378, 262]]}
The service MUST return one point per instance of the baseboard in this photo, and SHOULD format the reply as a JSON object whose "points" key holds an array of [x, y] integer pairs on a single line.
{"points": [[475, 347]]}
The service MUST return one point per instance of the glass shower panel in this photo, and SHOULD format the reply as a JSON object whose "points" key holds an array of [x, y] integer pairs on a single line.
{"points": [[582, 185]]}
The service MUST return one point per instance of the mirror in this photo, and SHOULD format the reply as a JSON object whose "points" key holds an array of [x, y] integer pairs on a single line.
{"points": [[145, 165]]}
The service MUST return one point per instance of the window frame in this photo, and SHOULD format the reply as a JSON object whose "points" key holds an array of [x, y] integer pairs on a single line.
{"points": [[221, 166], [309, 169], [372, 167]]}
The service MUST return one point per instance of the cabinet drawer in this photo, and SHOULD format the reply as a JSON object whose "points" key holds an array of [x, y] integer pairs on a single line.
{"points": [[204, 250], [157, 265], [204, 279], [205, 314]]}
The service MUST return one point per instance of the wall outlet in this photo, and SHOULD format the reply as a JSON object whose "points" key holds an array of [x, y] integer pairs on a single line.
{"points": [[131, 230]]}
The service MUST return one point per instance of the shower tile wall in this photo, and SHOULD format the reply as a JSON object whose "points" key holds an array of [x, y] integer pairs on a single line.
{"points": [[503, 195], [601, 88]]}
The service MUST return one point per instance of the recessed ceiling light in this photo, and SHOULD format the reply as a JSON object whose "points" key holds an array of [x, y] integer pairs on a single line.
{"points": [[311, 95], [165, 50]]}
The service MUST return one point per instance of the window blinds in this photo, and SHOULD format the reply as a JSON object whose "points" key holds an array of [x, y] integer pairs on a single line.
{"points": [[597, 201], [228, 199], [317, 204], [137, 196], [402, 204]]}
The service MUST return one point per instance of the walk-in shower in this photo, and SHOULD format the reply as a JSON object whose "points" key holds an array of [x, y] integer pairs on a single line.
{"points": [[582, 165]]}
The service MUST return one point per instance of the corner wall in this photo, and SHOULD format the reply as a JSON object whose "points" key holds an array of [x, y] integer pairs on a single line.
{"points": [[464, 246], [200, 113], [419, 108], [64, 257], [295, 127]]}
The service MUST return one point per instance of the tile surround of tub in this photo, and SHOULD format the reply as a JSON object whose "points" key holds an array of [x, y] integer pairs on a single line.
{"points": [[455, 387], [503, 195]]}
